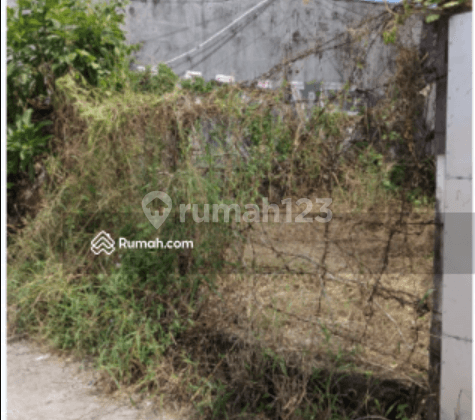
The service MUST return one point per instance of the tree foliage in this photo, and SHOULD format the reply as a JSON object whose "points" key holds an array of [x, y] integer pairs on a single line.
{"points": [[46, 39]]}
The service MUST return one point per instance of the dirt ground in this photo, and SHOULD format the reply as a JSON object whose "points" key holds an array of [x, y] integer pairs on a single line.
{"points": [[281, 295], [41, 386]]}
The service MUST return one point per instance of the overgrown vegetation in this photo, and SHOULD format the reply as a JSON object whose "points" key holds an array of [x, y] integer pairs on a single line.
{"points": [[172, 321], [432, 10], [45, 40]]}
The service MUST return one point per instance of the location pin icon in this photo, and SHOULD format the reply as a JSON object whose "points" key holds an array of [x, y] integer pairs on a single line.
{"points": [[155, 219]]}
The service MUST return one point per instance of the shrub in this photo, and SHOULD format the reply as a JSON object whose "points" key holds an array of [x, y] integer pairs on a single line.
{"points": [[160, 83], [198, 85], [46, 39], [25, 141]]}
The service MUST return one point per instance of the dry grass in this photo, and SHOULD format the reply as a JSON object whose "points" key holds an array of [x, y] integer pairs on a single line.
{"points": [[297, 296], [329, 319]]}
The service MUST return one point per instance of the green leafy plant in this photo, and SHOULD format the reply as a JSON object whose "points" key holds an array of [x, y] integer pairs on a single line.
{"points": [[401, 412], [163, 81], [389, 37], [25, 140], [371, 161], [395, 177], [45, 40], [198, 85]]}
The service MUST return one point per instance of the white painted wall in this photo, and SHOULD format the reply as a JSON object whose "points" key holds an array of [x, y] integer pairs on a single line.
{"points": [[455, 169]]}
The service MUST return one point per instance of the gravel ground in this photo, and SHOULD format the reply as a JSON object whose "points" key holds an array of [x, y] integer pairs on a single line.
{"points": [[40, 386]]}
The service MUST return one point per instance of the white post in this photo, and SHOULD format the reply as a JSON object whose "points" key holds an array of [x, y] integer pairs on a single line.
{"points": [[456, 168]]}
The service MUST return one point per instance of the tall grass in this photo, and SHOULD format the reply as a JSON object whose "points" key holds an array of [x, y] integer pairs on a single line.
{"points": [[128, 309]]}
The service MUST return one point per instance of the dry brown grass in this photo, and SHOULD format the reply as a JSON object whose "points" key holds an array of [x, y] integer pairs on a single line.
{"points": [[341, 299], [354, 319], [291, 295]]}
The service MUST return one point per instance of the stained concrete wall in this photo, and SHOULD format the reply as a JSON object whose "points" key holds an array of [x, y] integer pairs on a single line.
{"points": [[275, 30], [262, 39]]}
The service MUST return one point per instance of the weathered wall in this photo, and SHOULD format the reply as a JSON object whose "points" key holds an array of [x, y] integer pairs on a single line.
{"points": [[262, 39]]}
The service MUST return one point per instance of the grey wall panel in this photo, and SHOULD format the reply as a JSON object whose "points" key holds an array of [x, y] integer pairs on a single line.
{"points": [[261, 40]]}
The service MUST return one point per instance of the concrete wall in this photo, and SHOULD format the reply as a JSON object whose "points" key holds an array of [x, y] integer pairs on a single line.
{"points": [[275, 30], [262, 39], [455, 190]]}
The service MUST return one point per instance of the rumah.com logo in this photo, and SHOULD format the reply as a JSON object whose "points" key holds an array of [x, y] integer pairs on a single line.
{"points": [[103, 242]]}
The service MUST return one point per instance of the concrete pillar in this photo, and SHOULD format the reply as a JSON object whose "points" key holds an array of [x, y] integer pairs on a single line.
{"points": [[455, 193]]}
